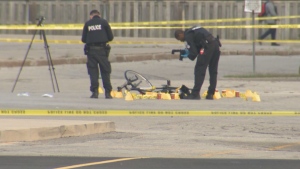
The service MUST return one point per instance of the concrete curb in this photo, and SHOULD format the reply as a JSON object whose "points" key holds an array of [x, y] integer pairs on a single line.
{"points": [[139, 57], [262, 52], [60, 131]]}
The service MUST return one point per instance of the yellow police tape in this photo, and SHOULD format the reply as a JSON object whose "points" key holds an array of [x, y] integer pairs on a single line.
{"points": [[180, 22], [143, 113], [79, 42], [138, 42], [152, 23], [24, 27], [160, 23]]}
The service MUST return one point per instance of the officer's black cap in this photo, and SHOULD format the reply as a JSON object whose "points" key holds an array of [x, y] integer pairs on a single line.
{"points": [[94, 12]]}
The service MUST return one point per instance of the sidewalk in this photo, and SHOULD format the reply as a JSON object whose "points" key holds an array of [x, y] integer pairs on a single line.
{"points": [[17, 130], [123, 50]]}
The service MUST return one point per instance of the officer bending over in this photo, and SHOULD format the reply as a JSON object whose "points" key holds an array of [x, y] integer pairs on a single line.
{"points": [[96, 33], [206, 48]]}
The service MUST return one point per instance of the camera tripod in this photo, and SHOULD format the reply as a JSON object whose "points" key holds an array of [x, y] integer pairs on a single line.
{"points": [[48, 55]]}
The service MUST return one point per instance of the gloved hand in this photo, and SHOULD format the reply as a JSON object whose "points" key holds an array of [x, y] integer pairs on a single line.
{"points": [[184, 53]]}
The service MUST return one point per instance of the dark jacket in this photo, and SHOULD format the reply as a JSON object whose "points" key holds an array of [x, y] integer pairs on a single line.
{"points": [[195, 38], [96, 30]]}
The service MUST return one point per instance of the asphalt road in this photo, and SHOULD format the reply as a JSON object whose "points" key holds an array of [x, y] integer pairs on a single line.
{"points": [[276, 94], [17, 162], [167, 137], [174, 137]]}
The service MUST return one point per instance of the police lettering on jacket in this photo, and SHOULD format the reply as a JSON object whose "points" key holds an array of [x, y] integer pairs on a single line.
{"points": [[96, 30], [94, 27]]}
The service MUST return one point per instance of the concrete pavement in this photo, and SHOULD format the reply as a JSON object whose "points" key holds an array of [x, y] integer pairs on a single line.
{"points": [[18, 130], [276, 95]]}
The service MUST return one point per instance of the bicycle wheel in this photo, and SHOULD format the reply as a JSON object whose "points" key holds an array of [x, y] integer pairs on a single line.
{"points": [[137, 81]]}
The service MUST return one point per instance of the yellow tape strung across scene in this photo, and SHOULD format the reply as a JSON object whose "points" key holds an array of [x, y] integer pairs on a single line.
{"points": [[144, 113], [126, 25], [155, 23], [136, 42], [294, 26], [79, 42], [201, 21]]}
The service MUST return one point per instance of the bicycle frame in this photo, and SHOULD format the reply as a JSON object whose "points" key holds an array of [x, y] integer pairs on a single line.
{"points": [[129, 85]]}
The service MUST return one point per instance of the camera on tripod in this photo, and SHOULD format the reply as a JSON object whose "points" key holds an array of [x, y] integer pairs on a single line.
{"points": [[48, 55], [40, 20]]}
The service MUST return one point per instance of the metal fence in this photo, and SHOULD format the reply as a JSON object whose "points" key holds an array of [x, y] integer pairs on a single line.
{"points": [[76, 11]]}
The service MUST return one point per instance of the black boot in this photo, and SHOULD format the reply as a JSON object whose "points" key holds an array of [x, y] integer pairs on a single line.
{"points": [[193, 96], [185, 90], [94, 95], [209, 97], [108, 95]]}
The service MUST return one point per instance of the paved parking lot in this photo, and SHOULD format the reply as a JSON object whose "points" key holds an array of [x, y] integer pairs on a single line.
{"points": [[194, 137]]}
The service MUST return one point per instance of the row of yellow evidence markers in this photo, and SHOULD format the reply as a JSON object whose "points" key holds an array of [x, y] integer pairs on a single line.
{"points": [[228, 93]]}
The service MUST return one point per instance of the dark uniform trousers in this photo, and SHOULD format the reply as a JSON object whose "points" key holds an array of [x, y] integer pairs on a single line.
{"points": [[209, 58], [98, 56]]}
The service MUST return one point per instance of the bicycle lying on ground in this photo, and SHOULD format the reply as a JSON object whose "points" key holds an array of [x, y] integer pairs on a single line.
{"points": [[137, 82]]}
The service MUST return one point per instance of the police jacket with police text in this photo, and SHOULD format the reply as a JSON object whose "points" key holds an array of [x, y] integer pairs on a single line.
{"points": [[195, 38], [96, 30]]}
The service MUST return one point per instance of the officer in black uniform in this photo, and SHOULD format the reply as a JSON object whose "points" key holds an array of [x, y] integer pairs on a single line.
{"points": [[96, 33], [206, 48]]}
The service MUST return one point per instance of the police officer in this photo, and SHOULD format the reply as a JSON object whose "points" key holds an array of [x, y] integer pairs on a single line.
{"points": [[206, 48], [96, 33]]}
